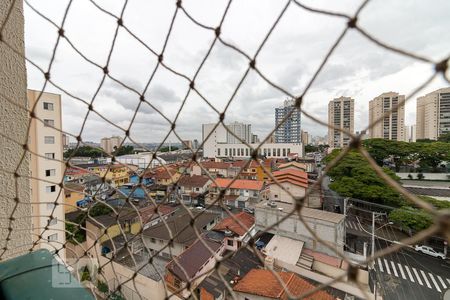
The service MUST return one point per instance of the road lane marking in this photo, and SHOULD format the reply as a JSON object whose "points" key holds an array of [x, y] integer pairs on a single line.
{"points": [[417, 275], [394, 269], [442, 281], [387, 266], [401, 270], [435, 283], [426, 279], [409, 274], [380, 265]]}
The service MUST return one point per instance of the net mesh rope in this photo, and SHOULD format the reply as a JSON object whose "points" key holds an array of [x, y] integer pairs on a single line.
{"points": [[440, 224]]}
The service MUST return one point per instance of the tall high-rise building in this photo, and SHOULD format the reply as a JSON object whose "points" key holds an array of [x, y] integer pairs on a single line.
{"points": [[433, 114], [392, 127], [110, 144], [305, 138], [45, 140], [341, 114], [243, 131], [290, 130]]}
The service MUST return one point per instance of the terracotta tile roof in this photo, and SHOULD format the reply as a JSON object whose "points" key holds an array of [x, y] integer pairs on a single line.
{"points": [[193, 258], [296, 177], [193, 181], [214, 165], [75, 171], [264, 283], [205, 295], [230, 224], [241, 163], [242, 184], [160, 173]]}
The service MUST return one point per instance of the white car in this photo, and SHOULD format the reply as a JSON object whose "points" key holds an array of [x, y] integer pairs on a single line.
{"points": [[430, 251]]}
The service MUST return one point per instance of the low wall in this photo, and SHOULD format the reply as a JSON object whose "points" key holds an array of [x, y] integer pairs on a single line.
{"points": [[427, 176]]}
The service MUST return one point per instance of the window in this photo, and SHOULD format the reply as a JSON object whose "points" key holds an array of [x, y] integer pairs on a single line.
{"points": [[218, 152], [177, 282], [52, 237], [50, 155], [48, 106], [52, 221], [50, 172], [153, 240], [50, 188], [49, 122], [49, 139], [230, 243]]}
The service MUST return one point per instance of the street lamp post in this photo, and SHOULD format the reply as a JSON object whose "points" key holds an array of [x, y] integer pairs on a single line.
{"points": [[374, 216]]}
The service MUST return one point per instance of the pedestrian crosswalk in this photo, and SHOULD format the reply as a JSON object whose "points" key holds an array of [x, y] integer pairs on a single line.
{"points": [[355, 225], [416, 275]]}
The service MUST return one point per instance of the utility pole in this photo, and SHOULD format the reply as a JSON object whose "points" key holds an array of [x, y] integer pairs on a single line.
{"points": [[374, 216]]}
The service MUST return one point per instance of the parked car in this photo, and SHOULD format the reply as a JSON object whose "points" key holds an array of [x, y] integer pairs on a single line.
{"points": [[199, 207], [430, 251]]}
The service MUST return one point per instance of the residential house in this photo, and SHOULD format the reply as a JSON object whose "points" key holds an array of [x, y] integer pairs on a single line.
{"points": [[186, 271], [214, 168], [329, 226], [263, 284], [73, 193], [238, 193], [114, 174], [72, 173], [178, 227], [243, 169], [236, 232], [289, 180], [106, 227], [163, 175], [191, 187]]}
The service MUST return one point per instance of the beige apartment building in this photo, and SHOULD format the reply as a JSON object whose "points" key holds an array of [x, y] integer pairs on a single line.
{"points": [[433, 114], [392, 127], [110, 144], [46, 145], [341, 114]]}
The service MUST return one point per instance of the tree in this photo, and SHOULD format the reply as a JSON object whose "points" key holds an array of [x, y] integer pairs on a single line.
{"points": [[433, 154], [166, 148], [83, 151], [411, 218], [445, 138], [311, 148], [354, 177], [124, 150]]}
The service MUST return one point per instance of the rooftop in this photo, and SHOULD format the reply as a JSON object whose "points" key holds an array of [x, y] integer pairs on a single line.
{"points": [[264, 283], [177, 225], [230, 224], [214, 165], [243, 184], [191, 260], [193, 181], [305, 212]]}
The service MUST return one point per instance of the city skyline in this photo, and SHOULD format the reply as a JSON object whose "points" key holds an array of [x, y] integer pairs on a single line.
{"points": [[372, 71]]}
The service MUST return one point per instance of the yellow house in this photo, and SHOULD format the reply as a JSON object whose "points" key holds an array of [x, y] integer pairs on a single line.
{"points": [[73, 192], [116, 175], [260, 173], [163, 176]]}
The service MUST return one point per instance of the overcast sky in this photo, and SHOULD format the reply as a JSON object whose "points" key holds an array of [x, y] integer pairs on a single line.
{"points": [[357, 69]]}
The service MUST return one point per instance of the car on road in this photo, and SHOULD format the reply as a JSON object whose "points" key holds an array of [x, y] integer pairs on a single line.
{"points": [[429, 251]]}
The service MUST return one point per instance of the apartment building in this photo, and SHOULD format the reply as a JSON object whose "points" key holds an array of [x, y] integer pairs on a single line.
{"points": [[392, 127], [290, 130], [45, 140], [341, 114], [110, 144], [433, 114]]}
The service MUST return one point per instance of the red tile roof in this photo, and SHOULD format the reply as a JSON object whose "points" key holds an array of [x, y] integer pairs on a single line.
{"points": [[214, 165], [242, 163], [193, 181], [242, 184], [230, 224], [264, 283], [296, 177]]}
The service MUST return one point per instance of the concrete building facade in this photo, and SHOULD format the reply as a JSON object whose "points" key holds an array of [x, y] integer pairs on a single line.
{"points": [[392, 127], [341, 114], [111, 144], [45, 140], [290, 130], [433, 114]]}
